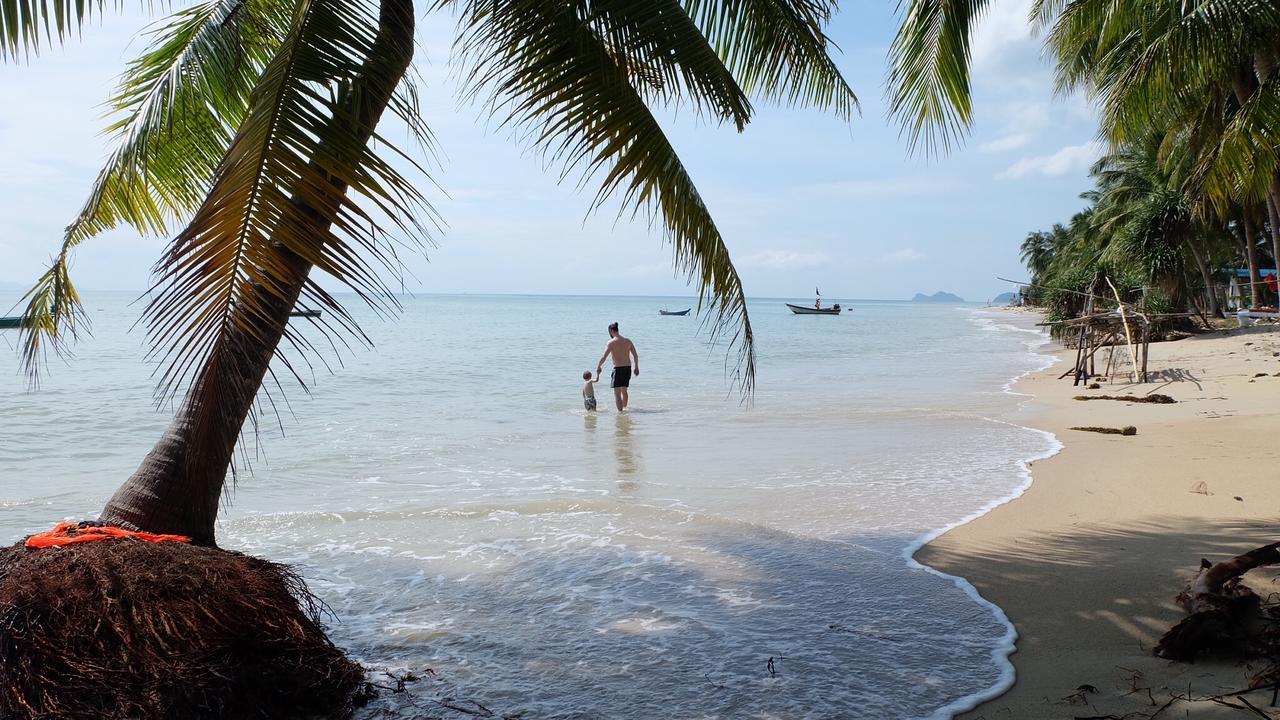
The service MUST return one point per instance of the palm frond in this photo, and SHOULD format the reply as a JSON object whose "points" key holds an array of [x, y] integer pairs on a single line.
{"points": [[1250, 146], [778, 49], [552, 70], [176, 109], [27, 25], [299, 187], [929, 86]]}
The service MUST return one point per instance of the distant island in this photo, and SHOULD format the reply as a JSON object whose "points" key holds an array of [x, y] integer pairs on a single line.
{"points": [[1004, 298], [938, 297]]}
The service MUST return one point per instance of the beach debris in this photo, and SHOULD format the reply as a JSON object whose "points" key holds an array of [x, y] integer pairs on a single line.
{"points": [[1201, 488], [1126, 430], [1155, 398], [1095, 386], [151, 631], [713, 683], [1218, 606], [1237, 497], [1260, 374], [1078, 697]]}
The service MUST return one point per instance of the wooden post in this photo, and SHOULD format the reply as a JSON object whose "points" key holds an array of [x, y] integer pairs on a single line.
{"points": [[1146, 348], [1111, 356], [1128, 336]]}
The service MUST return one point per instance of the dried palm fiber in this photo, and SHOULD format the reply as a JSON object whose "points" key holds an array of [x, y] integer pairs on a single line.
{"points": [[130, 629]]}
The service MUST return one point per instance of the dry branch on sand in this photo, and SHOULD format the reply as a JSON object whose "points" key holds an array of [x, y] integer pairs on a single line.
{"points": [[128, 629], [1155, 398]]}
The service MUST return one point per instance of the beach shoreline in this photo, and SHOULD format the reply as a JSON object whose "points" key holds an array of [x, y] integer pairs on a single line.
{"points": [[1086, 560]]}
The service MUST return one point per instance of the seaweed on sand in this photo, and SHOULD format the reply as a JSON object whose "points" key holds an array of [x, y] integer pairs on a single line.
{"points": [[1126, 430], [1155, 398]]}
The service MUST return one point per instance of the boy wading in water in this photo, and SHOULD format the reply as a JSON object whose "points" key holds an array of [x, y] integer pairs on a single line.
{"points": [[626, 362], [589, 390]]}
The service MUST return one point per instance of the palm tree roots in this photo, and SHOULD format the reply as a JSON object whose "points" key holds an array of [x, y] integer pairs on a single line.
{"points": [[127, 629], [1221, 615]]}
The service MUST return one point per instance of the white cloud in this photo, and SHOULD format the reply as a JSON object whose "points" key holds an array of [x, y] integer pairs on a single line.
{"points": [[1022, 122], [1004, 27], [1072, 158], [904, 255], [784, 260], [1004, 144]]}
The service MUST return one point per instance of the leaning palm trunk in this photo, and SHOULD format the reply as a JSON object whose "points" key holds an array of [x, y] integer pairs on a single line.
{"points": [[180, 482]]}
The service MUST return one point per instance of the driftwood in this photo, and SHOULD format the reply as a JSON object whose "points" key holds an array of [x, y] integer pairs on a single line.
{"points": [[1156, 398], [1218, 605]]}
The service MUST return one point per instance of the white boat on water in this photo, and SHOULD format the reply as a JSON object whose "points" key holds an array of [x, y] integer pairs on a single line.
{"points": [[803, 310]]}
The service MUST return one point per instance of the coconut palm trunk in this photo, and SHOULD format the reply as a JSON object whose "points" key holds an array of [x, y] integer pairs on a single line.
{"points": [[1211, 297], [1251, 257], [1274, 215], [179, 484]]}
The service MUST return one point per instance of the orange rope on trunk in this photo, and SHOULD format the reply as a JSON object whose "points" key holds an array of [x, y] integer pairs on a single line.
{"points": [[68, 533]]}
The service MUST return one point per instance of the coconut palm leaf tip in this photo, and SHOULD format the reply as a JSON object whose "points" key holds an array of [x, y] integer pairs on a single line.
{"points": [[929, 76], [27, 25]]}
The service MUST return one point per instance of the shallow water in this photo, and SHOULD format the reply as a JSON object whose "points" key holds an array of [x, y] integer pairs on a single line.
{"points": [[449, 499]]}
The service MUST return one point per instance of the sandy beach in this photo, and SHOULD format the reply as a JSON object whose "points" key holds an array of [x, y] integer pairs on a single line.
{"points": [[1087, 562]]}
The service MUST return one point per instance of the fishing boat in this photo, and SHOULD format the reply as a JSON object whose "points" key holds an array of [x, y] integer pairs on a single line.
{"points": [[675, 312], [11, 322], [305, 313], [803, 310]]}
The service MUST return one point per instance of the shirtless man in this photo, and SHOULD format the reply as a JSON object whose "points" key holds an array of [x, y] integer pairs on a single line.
{"points": [[623, 351]]}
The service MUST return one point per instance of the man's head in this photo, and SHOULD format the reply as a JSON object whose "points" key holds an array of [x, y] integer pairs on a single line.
{"points": [[613, 329]]}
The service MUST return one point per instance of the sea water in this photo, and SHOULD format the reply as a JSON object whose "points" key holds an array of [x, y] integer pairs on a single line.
{"points": [[699, 556]]}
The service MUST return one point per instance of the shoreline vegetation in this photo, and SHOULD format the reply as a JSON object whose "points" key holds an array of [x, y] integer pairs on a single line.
{"points": [[1087, 562]]}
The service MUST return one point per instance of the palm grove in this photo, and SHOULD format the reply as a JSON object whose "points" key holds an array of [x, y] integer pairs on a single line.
{"points": [[1188, 181], [247, 132]]}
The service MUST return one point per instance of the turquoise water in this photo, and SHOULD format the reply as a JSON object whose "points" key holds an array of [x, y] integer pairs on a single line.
{"points": [[448, 497]]}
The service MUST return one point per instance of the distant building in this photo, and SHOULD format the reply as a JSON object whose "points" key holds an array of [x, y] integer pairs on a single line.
{"points": [[1238, 295]]}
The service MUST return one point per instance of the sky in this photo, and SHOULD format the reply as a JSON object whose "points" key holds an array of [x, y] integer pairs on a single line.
{"points": [[802, 198]]}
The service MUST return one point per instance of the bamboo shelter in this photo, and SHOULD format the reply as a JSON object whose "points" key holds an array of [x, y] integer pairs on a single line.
{"points": [[1092, 332]]}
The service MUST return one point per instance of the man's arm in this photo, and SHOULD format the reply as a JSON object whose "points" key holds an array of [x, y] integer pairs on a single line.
{"points": [[600, 365], [635, 360]]}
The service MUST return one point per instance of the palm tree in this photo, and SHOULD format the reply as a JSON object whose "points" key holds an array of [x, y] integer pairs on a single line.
{"points": [[1037, 253], [248, 124]]}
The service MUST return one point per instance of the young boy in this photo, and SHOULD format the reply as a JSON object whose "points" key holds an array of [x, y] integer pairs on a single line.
{"points": [[588, 391]]}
